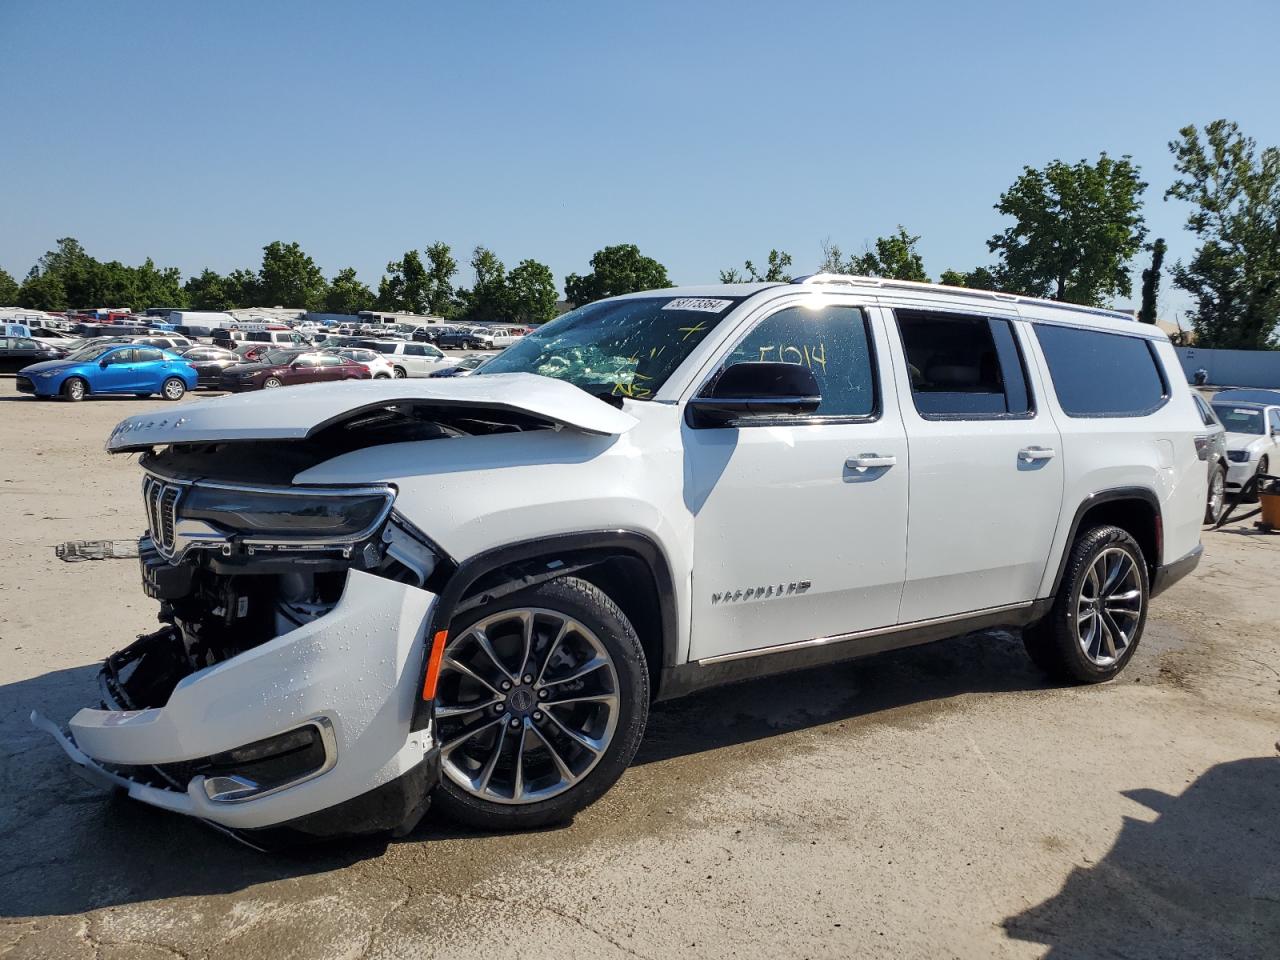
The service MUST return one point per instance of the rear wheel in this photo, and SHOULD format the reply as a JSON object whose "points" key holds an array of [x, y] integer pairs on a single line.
{"points": [[541, 703], [400, 373], [173, 389], [1093, 629], [1217, 495], [74, 390]]}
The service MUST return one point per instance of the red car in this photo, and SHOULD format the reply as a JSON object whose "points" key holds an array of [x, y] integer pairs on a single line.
{"points": [[284, 368]]}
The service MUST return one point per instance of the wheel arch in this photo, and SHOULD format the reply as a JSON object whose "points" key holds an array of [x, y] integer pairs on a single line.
{"points": [[1135, 510], [629, 566]]}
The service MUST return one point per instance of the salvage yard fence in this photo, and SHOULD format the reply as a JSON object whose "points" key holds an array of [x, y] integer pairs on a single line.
{"points": [[1235, 368]]}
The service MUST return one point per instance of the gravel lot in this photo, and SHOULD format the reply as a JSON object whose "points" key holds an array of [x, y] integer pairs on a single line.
{"points": [[936, 802]]}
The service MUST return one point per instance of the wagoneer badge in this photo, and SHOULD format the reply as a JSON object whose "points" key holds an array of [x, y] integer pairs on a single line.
{"points": [[793, 589]]}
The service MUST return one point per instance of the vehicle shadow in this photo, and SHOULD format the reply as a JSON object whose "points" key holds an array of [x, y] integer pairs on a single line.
{"points": [[67, 846], [1201, 880]]}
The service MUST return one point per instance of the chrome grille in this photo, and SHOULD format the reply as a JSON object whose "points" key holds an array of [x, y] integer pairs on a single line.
{"points": [[161, 500]]}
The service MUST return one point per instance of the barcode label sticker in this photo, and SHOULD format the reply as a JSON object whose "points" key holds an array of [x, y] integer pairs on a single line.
{"points": [[700, 304]]}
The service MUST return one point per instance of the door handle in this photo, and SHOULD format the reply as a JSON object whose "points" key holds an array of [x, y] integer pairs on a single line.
{"points": [[864, 461], [1032, 454]]}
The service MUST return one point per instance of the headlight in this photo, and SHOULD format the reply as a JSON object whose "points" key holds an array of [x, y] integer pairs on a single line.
{"points": [[302, 515], [1238, 456], [46, 376]]}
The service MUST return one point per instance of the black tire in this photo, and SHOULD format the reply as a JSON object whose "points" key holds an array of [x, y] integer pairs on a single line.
{"points": [[400, 373], [1053, 644], [1264, 466], [592, 608], [1212, 512], [271, 383], [74, 389], [173, 389]]}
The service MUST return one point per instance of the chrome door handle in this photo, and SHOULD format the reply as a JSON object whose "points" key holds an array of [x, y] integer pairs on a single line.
{"points": [[865, 460], [1032, 454]]}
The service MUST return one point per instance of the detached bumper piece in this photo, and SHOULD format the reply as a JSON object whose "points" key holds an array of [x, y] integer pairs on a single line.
{"points": [[305, 734]]}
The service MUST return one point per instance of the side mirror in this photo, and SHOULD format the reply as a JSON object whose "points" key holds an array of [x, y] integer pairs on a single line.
{"points": [[756, 389], [102, 364]]}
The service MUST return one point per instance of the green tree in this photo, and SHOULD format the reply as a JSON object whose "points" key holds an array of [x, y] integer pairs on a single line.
{"points": [[441, 268], [979, 278], [1151, 282], [775, 271], [244, 288], [208, 291], [406, 287], [488, 299], [531, 289], [616, 270], [8, 289], [1234, 276], [347, 294], [290, 278], [893, 257], [1076, 227], [42, 291]]}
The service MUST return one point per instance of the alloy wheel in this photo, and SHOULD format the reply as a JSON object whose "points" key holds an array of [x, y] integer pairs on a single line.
{"points": [[174, 389], [1109, 606], [1217, 495], [527, 704], [76, 389]]}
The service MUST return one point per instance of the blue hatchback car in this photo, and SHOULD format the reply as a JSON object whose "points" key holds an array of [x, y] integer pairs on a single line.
{"points": [[110, 368]]}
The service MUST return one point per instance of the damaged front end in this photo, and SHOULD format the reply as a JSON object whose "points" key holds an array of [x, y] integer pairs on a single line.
{"points": [[281, 689]]}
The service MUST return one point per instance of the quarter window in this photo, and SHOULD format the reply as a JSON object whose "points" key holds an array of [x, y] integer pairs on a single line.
{"points": [[832, 341], [413, 350], [1099, 374], [963, 367]]}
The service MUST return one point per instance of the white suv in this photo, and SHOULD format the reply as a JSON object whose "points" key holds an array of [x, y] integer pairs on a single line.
{"points": [[471, 589], [407, 358]]}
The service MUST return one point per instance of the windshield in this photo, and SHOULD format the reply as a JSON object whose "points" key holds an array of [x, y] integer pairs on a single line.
{"points": [[88, 354], [1239, 419], [622, 348]]}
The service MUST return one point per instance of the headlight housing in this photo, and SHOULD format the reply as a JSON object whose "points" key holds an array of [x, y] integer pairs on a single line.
{"points": [[46, 376], [1238, 456], [318, 515]]}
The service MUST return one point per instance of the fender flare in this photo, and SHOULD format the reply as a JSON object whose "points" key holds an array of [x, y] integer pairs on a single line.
{"points": [[1144, 494], [559, 555]]}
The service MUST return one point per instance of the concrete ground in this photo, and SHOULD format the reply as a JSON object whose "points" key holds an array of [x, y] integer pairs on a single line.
{"points": [[937, 802]]}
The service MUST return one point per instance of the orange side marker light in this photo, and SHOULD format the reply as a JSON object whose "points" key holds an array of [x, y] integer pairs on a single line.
{"points": [[433, 665]]}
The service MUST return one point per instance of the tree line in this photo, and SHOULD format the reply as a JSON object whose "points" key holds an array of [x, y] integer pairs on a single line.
{"points": [[1074, 230]]}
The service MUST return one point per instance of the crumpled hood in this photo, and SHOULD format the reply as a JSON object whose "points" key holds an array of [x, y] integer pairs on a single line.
{"points": [[294, 413]]}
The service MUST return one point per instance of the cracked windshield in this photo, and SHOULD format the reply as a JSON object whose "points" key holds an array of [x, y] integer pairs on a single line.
{"points": [[619, 348]]}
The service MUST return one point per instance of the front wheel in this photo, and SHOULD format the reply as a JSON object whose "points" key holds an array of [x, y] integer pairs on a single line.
{"points": [[1217, 495], [74, 390], [271, 383], [541, 703], [1093, 629], [173, 389]]}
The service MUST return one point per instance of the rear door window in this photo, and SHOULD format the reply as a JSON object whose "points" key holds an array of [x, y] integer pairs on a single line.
{"points": [[147, 354], [963, 366], [1100, 374]]}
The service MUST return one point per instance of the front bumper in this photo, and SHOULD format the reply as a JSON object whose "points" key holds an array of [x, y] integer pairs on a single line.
{"points": [[357, 670], [1239, 473]]}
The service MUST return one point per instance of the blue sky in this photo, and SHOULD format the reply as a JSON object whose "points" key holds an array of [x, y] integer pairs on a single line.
{"points": [[704, 132]]}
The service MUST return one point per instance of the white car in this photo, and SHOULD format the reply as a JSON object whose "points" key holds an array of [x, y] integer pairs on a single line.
{"points": [[378, 365], [496, 338], [407, 358], [1252, 420], [468, 591]]}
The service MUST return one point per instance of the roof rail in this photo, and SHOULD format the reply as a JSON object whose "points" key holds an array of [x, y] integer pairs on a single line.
{"points": [[851, 280]]}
